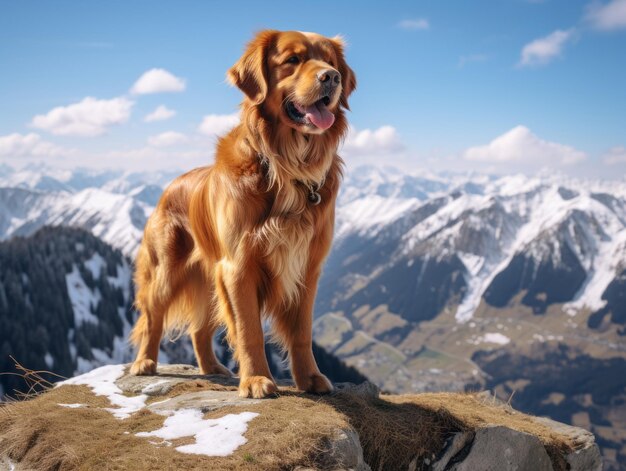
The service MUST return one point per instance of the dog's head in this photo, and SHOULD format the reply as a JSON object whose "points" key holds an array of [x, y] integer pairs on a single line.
{"points": [[300, 80]]}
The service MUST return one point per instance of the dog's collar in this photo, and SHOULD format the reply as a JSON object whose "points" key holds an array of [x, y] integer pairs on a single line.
{"points": [[313, 188]]}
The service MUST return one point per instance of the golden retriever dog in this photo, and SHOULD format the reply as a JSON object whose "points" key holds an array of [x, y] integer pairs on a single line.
{"points": [[244, 240]]}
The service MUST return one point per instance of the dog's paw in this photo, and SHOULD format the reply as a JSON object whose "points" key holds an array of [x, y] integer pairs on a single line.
{"points": [[143, 368], [216, 369], [257, 387], [315, 383]]}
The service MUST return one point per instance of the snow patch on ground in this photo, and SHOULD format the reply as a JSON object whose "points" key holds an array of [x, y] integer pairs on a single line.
{"points": [[547, 338], [490, 337], [72, 406], [214, 437], [102, 383], [496, 337]]}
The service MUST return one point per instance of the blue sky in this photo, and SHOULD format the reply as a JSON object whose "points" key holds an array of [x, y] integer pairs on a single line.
{"points": [[500, 85]]}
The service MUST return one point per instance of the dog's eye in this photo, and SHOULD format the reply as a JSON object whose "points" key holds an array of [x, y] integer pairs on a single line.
{"points": [[293, 60]]}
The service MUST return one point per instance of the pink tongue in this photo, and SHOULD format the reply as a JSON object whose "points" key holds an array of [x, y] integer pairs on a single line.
{"points": [[319, 115]]}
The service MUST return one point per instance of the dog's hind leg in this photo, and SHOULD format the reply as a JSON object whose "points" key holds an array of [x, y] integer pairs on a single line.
{"points": [[152, 304], [202, 339], [148, 331], [201, 316]]}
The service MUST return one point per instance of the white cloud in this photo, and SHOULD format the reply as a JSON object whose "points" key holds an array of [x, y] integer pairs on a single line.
{"points": [[378, 141], [607, 16], [89, 117], [167, 139], [28, 145], [161, 113], [520, 145], [218, 124], [543, 50], [157, 81], [417, 24], [615, 155]]}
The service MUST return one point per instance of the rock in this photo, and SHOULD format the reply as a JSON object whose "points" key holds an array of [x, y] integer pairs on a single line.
{"points": [[204, 400], [587, 455], [514, 450], [453, 447], [345, 450], [6, 464], [166, 378], [497, 448], [344, 453]]}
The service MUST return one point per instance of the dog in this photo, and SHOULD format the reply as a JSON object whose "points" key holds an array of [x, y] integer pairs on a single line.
{"points": [[245, 239]]}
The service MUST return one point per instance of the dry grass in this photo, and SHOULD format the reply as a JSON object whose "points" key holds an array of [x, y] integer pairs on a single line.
{"points": [[41, 435], [395, 434], [291, 430]]}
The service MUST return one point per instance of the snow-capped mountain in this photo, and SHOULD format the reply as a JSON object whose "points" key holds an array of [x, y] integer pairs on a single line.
{"points": [[112, 205], [443, 266], [447, 239], [559, 240]]}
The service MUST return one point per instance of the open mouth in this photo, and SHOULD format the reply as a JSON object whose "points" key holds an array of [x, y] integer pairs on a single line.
{"points": [[317, 114]]}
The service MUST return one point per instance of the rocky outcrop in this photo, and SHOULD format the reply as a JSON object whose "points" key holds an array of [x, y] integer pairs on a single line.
{"points": [[181, 419]]}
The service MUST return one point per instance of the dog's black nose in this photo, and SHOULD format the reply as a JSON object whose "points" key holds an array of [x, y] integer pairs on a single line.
{"points": [[329, 76]]}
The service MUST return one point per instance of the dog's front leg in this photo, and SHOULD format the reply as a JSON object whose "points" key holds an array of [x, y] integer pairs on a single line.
{"points": [[296, 329], [237, 290]]}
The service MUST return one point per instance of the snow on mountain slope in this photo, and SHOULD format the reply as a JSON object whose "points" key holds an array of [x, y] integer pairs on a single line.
{"points": [[85, 303], [492, 227], [117, 219], [112, 205], [489, 224]]}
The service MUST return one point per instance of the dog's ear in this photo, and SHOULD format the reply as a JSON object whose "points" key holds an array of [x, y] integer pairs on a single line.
{"points": [[348, 79], [250, 71]]}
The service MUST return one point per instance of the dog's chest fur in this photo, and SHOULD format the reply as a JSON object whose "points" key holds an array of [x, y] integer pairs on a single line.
{"points": [[286, 241]]}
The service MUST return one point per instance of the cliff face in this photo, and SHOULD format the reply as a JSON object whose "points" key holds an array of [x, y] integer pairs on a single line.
{"points": [[106, 419]]}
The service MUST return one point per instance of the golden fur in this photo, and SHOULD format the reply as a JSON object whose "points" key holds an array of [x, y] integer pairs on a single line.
{"points": [[238, 241]]}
